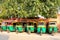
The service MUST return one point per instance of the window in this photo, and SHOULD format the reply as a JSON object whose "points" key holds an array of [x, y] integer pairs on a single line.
{"points": [[30, 23], [52, 23], [18, 23], [41, 23]]}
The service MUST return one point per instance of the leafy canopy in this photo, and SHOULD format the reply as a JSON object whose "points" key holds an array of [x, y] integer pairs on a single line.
{"points": [[28, 8]]}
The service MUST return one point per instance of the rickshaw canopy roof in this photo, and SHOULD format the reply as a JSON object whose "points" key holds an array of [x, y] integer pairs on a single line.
{"points": [[8, 21]]}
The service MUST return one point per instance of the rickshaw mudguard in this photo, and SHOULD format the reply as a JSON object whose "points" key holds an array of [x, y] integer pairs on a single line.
{"points": [[55, 29], [19, 28], [11, 28], [50, 29], [4, 28], [43, 29], [39, 29], [31, 28]]}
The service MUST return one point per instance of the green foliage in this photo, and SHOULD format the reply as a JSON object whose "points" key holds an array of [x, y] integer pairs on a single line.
{"points": [[58, 2], [28, 8]]}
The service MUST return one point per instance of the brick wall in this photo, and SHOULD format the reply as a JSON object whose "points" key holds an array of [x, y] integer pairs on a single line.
{"points": [[58, 22]]}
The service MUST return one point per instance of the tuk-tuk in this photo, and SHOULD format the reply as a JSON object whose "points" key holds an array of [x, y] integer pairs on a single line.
{"points": [[41, 27], [53, 27], [4, 26], [30, 27], [11, 27], [19, 27]]}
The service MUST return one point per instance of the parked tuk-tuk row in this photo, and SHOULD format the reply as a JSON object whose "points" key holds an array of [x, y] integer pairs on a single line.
{"points": [[40, 26]]}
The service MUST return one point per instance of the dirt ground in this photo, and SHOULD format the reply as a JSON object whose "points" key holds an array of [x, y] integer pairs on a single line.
{"points": [[25, 36]]}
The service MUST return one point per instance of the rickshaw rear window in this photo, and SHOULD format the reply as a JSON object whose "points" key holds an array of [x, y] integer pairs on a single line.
{"points": [[18, 23], [52, 23], [41, 23], [9, 23], [30, 23]]}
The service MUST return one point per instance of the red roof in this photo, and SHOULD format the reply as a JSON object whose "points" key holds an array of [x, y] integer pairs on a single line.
{"points": [[7, 20]]}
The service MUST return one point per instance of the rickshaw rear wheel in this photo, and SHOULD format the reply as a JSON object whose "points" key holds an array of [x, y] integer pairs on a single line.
{"points": [[8, 31], [16, 31], [29, 32], [1, 30], [41, 33], [52, 33]]}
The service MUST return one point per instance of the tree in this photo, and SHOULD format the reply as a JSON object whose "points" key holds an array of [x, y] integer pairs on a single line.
{"points": [[58, 2], [28, 8]]}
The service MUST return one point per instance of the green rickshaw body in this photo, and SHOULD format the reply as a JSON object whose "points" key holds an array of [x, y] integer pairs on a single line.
{"points": [[11, 28], [41, 27], [19, 28], [30, 28], [4, 28], [52, 27]]}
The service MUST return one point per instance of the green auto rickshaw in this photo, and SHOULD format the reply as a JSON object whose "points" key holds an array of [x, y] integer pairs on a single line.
{"points": [[4, 26], [11, 27], [53, 27], [41, 27], [30, 27], [19, 27]]}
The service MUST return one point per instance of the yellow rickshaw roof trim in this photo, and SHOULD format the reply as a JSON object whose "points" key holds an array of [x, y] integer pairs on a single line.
{"points": [[41, 21]]}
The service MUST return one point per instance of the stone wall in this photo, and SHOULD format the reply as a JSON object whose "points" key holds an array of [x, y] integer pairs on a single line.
{"points": [[58, 22]]}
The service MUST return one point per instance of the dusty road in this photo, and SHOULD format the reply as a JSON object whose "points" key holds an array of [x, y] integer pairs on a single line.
{"points": [[25, 36]]}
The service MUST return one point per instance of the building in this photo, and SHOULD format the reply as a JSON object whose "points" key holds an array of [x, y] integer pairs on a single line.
{"points": [[58, 22]]}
